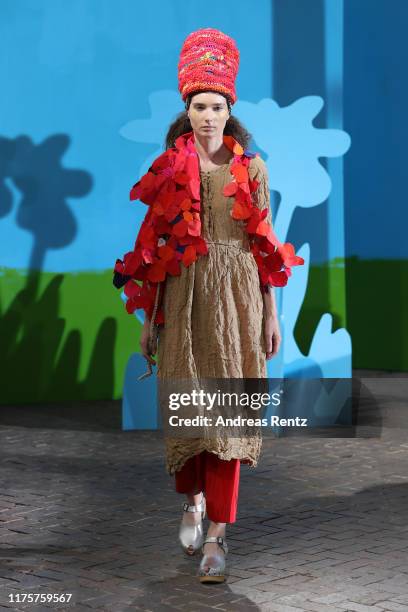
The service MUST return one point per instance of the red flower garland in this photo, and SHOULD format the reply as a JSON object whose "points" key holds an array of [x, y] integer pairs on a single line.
{"points": [[171, 231]]}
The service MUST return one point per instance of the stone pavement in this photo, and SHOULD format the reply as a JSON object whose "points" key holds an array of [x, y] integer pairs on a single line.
{"points": [[88, 509]]}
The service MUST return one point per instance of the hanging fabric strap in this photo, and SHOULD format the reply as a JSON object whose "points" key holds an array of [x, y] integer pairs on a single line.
{"points": [[152, 334]]}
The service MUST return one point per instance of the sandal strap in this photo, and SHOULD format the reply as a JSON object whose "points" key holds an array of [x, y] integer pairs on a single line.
{"points": [[217, 540], [199, 508]]}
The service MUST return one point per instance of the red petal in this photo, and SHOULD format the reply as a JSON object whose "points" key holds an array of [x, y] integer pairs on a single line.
{"points": [[172, 242], [119, 266], [132, 289], [147, 255], [201, 246], [230, 189], [194, 227], [173, 267], [186, 240], [265, 246], [287, 251], [195, 188], [180, 228], [181, 178], [156, 273], [253, 221], [253, 185], [132, 261], [273, 262], [273, 239], [165, 252], [171, 212], [278, 279], [162, 226], [163, 161], [146, 237]]}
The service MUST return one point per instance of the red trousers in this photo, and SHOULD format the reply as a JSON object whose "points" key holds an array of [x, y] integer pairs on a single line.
{"points": [[218, 479]]}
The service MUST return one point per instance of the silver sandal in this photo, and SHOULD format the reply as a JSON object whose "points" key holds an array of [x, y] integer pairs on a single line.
{"points": [[191, 536], [215, 563]]}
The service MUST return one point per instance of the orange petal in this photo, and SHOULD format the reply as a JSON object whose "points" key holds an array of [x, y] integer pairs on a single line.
{"points": [[189, 255], [233, 145], [240, 172], [240, 212], [186, 204], [187, 216], [238, 150], [263, 228]]}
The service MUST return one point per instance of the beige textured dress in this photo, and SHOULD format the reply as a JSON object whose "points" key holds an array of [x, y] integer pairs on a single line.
{"points": [[214, 314]]}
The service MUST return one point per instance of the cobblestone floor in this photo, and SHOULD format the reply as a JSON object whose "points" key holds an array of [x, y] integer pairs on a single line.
{"points": [[88, 509]]}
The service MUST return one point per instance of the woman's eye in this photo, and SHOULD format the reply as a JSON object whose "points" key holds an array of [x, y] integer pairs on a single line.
{"points": [[217, 108]]}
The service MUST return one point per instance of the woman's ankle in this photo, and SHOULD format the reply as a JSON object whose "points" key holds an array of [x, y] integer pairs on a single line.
{"points": [[217, 529], [194, 499]]}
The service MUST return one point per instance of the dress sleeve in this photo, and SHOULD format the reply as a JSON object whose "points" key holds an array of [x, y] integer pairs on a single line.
{"points": [[274, 259], [262, 199]]}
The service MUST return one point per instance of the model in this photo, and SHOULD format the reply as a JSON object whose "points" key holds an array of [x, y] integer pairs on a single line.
{"points": [[206, 259]]}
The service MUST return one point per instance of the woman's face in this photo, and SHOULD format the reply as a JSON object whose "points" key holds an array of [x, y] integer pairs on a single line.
{"points": [[208, 114]]}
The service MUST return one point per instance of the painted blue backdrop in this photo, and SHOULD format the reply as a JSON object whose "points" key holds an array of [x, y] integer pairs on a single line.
{"points": [[89, 89]]}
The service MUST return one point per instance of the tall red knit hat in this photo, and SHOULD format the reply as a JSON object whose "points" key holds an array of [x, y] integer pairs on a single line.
{"points": [[209, 60]]}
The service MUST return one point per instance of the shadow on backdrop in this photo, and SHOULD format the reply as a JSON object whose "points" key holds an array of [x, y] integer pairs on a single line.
{"points": [[35, 365]]}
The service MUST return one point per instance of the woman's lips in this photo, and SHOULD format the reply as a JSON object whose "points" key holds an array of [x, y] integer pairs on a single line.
{"points": [[208, 127]]}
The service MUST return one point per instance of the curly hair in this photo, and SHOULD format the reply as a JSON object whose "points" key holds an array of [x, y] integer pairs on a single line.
{"points": [[181, 125]]}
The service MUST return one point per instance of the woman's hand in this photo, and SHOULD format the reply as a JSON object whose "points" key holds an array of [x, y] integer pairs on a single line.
{"points": [[272, 336], [148, 346]]}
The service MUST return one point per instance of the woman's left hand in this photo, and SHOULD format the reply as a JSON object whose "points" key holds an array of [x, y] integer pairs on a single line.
{"points": [[272, 336]]}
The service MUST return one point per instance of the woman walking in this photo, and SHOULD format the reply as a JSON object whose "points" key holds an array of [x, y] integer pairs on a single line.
{"points": [[207, 259]]}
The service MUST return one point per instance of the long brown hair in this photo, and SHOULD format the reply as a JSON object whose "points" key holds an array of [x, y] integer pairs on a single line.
{"points": [[182, 125]]}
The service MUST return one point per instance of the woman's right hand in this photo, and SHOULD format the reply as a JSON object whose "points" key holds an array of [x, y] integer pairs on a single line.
{"points": [[145, 343]]}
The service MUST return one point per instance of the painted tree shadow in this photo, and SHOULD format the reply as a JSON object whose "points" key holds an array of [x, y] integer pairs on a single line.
{"points": [[35, 367]]}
